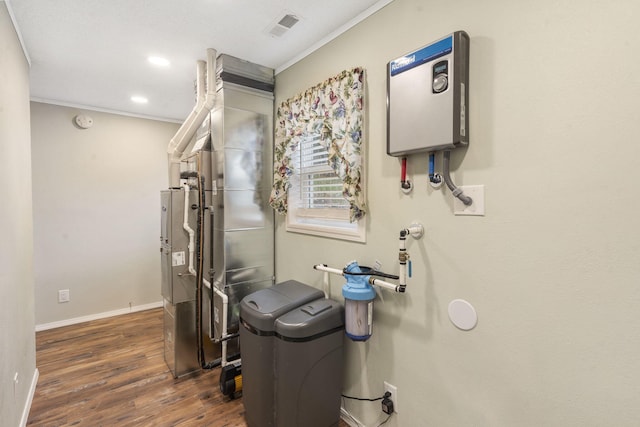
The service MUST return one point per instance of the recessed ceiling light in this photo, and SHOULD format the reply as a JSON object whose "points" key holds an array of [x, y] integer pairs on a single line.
{"points": [[159, 61], [139, 99]]}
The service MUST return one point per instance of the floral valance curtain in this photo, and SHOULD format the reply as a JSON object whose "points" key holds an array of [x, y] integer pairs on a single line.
{"points": [[333, 110]]}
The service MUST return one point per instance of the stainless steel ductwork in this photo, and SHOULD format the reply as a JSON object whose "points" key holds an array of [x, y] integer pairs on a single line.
{"points": [[226, 174], [241, 133]]}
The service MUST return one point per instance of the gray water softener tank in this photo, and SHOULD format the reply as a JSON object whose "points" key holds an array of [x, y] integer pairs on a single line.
{"points": [[309, 365], [258, 314]]}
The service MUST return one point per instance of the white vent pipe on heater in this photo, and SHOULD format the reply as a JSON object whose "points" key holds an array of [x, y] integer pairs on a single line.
{"points": [[189, 230], [203, 106]]}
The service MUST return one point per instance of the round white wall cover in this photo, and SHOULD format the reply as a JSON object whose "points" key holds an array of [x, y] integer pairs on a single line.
{"points": [[83, 122], [462, 314]]}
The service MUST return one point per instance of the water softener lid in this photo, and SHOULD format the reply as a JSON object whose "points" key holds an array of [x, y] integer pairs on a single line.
{"points": [[260, 309], [311, 319], [297, 292]]}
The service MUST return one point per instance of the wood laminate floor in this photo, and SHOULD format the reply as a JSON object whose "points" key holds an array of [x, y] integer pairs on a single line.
{"points": [[111, 372]]}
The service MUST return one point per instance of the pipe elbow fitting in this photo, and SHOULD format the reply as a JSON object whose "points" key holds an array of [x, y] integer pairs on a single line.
{"points": [[209, 102]]}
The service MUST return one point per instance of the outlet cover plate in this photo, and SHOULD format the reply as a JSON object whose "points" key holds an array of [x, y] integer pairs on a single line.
{"points": [[476, 192], [394, 395], [63, 295]]}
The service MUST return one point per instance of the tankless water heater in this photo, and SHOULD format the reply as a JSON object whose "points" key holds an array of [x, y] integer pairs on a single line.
{"points": [[427, 95]]}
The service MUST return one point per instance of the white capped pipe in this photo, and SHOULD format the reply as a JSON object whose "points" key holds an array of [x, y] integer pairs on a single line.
{"points": [[203, 106], [322, 267], [189, 230]]}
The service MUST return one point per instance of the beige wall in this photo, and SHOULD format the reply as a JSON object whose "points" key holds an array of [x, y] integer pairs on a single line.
{"points": [[96, 197], [17, 339], [552, 269]]}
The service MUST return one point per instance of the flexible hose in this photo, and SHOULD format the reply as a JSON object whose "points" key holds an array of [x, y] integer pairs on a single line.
{"points": [[447, 179], [405, 184], [403, 170], [368, 271], [200, 264], [200, 272], [432, 164], [433, 177]]}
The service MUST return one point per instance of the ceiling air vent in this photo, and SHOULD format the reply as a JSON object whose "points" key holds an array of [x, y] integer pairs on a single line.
{"points": [[283, 25]]}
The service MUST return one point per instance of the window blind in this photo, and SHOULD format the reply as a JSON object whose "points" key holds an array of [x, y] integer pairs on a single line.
{"points": [[320, 187]]}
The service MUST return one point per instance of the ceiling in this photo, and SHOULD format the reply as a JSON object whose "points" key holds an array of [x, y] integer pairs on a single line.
{"points": [[94, 53]]}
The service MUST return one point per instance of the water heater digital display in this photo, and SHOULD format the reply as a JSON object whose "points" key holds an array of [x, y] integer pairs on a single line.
{"points": [[427, 93]]}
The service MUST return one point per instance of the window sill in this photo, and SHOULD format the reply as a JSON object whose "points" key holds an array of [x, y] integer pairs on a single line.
{"points": [[357, 234]]}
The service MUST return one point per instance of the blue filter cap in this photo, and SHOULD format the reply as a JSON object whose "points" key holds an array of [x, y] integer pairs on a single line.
{"points": [[357, 287]]}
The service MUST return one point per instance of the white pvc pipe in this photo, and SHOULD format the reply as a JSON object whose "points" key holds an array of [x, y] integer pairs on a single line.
{"points": [[403, 266], [383, 284], [174, 165], [203, 106], [322, 267], [325, 284], [325, 278], [416, 231], [201, 82], [372, 280], [189, 230], [225, 308], [200, 87]]}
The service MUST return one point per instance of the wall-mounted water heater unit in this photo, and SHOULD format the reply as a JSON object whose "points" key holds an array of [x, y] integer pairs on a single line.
{"points": [[427, 93]]}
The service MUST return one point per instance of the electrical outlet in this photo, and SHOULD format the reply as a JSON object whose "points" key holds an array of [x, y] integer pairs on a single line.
{"points": [[394, 395], [63, 295]]}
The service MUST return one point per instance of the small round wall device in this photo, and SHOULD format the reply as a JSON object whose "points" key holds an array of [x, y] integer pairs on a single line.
{"points": [[83, 121], [462, 314]]}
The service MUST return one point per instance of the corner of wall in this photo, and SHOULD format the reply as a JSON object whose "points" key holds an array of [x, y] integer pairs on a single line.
{"points": [[27, 404]]}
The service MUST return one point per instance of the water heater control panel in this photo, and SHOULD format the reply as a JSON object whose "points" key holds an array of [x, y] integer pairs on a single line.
{"points": [[427, 93]]}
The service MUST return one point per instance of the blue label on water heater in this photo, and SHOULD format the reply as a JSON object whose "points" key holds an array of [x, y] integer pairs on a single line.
{"points": [[419, 57]]}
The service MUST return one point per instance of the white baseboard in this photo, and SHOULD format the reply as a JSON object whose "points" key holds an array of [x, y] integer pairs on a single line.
{"points": [[27, 405], [349, 419], [76, 320]]}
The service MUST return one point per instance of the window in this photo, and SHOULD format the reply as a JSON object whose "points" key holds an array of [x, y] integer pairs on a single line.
{"points": [[316, 203], [318, 176]]}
